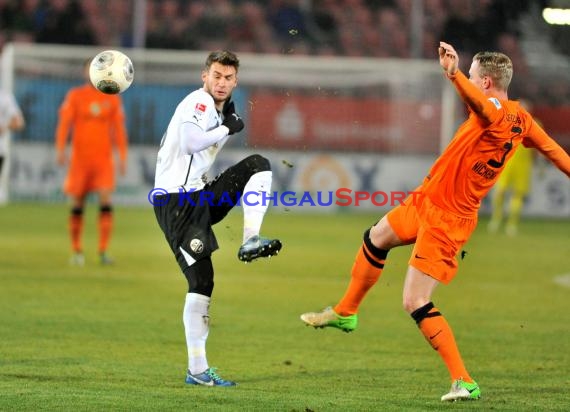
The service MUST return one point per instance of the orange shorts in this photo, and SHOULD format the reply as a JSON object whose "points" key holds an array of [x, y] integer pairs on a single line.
{"points": [[83, 178], [438, 235]]}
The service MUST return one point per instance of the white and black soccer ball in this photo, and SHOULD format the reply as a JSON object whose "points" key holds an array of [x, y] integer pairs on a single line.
{"points": [[111, 72]]}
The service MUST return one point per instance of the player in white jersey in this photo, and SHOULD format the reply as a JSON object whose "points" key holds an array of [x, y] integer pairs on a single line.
{"points": [[186, 206], [10, 119]]}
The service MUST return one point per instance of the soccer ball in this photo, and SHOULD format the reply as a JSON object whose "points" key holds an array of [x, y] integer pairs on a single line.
{"points": [[111, 72]]}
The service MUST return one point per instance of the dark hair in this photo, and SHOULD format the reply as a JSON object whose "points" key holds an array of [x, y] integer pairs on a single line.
{"points": [[224, 57], [496, 65]]}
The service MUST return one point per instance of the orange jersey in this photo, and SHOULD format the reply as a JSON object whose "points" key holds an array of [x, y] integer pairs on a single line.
{"points": [[472, 162], [97, 123]]}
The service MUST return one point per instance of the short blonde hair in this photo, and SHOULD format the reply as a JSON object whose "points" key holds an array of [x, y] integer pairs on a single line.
{"points": [[497, 66]]}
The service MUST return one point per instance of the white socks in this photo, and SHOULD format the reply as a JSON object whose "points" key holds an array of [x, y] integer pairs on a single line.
{"points": [[254, 207], [196, 326]]}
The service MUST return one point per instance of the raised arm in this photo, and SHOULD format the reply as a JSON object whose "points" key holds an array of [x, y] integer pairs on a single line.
{"points": [[477, 101]]}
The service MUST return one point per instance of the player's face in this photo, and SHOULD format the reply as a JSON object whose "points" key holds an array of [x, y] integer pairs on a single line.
{"points": [[482, 82], [220, 81]]}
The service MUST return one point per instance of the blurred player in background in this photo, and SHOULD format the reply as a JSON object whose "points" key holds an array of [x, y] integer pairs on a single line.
{"points": [[514, 181], [440, 220], [96, 122], [189, 206], [11, 119]]}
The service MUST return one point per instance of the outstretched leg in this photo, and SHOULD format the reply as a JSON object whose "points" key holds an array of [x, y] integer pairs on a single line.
{"points": [[248, 181], [254, 246], [366, 270]]}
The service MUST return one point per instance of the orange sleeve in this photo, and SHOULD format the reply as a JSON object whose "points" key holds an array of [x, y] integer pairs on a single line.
{"points": [[474, 98], [541, 141], [64, 122], [120, 135]]}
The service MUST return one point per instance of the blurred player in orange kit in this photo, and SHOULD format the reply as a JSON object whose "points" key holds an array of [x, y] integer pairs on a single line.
{"points": [[97, 125], [445, 216]]}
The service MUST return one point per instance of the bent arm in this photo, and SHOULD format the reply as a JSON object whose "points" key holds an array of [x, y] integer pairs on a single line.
{"points": [[194, 139]]}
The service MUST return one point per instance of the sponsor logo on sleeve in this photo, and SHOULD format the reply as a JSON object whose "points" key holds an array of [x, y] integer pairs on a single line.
{"points": [[496, 102]]}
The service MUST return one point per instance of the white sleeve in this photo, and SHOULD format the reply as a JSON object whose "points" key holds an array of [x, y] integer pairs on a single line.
{"points": [[194, 139], [13, 108]]}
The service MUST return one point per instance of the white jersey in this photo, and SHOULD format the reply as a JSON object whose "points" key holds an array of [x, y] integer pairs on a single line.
{"points": [[175, 169], [8, 110]]}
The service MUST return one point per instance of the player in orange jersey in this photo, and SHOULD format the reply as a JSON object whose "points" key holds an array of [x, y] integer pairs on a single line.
{"points": [[97, 124], [441, 220]]}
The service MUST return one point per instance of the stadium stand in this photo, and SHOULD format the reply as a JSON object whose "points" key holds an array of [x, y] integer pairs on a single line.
{"points": [[371, 28]]}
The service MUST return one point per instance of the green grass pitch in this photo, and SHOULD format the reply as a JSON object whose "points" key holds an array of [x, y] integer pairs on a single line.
{"points": [[111, 338]]}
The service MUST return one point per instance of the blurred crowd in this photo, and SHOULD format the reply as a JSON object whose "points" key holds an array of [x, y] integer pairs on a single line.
{"points": [[371, 28], [375, 28]]}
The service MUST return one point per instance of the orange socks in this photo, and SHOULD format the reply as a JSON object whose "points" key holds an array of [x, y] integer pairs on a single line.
{"points": [[76, 228], [105, 227], [438, 333], [366, 270]]}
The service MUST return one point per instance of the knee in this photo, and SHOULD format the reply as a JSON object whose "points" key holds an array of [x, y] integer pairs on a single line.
{"points": [[427, 310], [382, 235], [379, 253], [77, 211], [257, 163], [106, 208], [200, 277], [408, 305], [202, 286], [411, 303]]}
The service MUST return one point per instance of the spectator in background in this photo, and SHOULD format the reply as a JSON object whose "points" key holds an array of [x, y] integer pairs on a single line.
{"points": [[96, 122], [288, 22], [11, 118], [211, 29], [434, 18], [393, 33], [65, 23], [357, 34], [462, 29], [7, 14], [557, 90], [29, 17], [324, 17], [250, 31], [173, 29]]}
